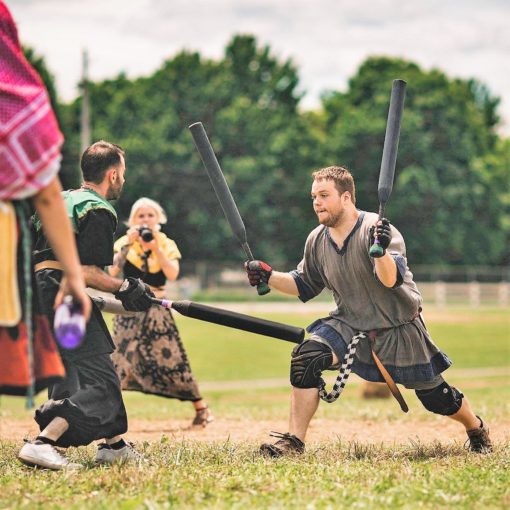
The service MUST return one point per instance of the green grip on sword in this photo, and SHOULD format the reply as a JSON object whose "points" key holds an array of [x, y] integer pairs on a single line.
{"points": [[376, 250], [263, 289]]}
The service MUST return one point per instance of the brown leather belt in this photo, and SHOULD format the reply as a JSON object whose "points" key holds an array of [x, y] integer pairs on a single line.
{"points": [[386, 376], [48, 264]]}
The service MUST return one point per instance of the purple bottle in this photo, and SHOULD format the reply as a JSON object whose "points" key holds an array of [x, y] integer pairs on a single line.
{"points": [[69, 324]]}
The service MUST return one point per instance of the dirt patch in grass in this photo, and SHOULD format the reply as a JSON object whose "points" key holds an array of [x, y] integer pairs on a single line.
{"points": [[321, 430]]}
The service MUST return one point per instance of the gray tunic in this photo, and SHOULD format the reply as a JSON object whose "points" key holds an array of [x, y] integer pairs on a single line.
{"points": [[363, 303]]}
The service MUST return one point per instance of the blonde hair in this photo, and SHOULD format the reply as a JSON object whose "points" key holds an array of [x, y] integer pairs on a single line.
{"points": [[147, 202]]}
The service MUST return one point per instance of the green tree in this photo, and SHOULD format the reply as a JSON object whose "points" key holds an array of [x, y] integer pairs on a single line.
{"points": [[451, 192], [439, 199], [38, 63], [69, 174], [248, 104]]}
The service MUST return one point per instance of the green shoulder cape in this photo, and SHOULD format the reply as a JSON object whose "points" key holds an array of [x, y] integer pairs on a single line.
{"points": [[79, 203]]}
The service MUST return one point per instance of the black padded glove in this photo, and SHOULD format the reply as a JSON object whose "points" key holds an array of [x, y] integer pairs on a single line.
{"points": [[135, 295], [257, 271], [383, 232]]}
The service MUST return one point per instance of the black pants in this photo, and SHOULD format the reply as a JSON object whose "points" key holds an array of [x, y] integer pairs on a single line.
{"points": [[89, 399]]}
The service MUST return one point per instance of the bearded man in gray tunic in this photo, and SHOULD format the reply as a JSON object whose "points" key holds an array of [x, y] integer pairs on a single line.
{"points": [[376, 295]]}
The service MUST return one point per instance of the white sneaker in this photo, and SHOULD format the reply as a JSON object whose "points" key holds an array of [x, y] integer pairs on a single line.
{"points": [[45, 456], [107, 455]]}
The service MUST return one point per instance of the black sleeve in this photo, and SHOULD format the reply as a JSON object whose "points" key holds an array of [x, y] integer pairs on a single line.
{"points": [[95, 238]]}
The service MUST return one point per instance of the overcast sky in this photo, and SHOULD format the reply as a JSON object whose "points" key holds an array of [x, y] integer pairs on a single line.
{"points": [[326, 39]]}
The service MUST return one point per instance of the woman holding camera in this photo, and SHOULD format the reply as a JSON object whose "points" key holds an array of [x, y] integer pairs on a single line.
{"points": [[150, 356]]}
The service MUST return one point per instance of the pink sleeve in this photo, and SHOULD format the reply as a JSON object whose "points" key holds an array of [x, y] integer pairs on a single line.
{"points": [[30, 138]]}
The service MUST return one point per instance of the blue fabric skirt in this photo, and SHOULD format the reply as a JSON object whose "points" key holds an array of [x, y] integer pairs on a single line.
{"points": [[406, 351]]}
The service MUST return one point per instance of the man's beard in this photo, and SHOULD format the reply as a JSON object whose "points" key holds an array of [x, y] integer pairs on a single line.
{"points": [[114, 192], [333, 220]]}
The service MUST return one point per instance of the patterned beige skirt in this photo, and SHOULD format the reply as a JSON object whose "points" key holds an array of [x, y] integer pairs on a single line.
{"points": [[150, 356]]}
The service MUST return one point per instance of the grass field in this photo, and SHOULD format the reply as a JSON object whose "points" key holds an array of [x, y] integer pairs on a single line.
{"points": [[355, 467]]}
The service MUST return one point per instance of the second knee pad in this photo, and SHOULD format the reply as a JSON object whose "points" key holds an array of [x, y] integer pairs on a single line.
{"points": [[309, 359], [443, 399]]}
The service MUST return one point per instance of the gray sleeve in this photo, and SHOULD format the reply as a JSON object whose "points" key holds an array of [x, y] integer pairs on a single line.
{"points": [[397, 249], [307, 277]]}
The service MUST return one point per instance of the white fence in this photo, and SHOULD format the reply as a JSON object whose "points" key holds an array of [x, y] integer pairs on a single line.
{"points": [[439, 293], [474, 294]]}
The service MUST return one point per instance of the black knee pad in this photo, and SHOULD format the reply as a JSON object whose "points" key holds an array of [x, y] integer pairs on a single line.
{"points": [[309, 359], [443, 399]]}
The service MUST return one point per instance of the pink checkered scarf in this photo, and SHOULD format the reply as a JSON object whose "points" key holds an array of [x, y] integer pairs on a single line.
{"points": [[30, 139]]}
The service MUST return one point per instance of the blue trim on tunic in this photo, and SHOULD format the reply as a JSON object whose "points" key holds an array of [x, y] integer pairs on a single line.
{"points": [[413, 373], [401, 270], [305, 291]]}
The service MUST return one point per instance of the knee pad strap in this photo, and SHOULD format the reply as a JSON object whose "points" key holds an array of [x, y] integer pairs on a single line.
{"points": [[443, 399], [309, 359]]}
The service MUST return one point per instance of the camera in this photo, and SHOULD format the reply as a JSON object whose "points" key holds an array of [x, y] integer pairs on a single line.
{"points": [[146, 233]]}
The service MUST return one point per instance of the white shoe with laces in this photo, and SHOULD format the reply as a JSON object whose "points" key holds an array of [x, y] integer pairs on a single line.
{"points": [[107, 455], [37, 453]]}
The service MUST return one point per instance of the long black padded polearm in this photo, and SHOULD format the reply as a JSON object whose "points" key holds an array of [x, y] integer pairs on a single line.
{"points": [[389, 156], [108, 303], [223, 193], [239, 321]]}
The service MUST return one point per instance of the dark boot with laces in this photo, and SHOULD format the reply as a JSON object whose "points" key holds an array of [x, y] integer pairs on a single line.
{"points": [[287, 444], [479, 440]]}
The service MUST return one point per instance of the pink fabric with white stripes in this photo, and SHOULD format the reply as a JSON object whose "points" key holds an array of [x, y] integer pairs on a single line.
{"points": [[30, 139]]}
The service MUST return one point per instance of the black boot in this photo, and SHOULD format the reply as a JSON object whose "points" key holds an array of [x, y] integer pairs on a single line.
{"points": [[479, 440], [287, 444]]}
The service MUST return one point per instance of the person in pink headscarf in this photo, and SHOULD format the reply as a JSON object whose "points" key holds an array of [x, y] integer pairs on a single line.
{"points": [[30, 143]]}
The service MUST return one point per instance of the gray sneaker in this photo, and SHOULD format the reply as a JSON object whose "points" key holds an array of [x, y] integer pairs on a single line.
{"points": [[36, 453], [107, 455]]}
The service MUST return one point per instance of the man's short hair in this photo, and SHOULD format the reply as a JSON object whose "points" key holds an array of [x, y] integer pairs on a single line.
{"points": [[342, 178], [98, 159]]}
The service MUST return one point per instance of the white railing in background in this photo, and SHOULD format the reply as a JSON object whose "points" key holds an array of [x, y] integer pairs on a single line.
{"points": [[473, 293], [438, 293]]}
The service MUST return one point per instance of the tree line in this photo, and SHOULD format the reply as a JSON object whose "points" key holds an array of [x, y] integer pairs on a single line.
{"points": [[451, 197]]}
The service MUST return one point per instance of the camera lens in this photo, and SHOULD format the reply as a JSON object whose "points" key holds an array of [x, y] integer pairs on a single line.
{"points": [[146, 234]]}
